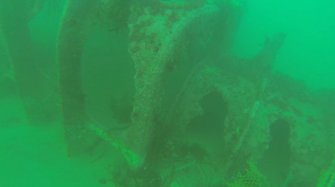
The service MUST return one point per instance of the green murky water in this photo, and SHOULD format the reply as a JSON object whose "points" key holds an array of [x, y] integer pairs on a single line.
{"points": [[182, 93]]}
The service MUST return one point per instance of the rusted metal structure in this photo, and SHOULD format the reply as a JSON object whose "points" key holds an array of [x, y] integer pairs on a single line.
{"points": [[181, 51]]}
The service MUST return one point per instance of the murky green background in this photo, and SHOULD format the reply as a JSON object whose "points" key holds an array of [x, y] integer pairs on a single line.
{"points": [[295, 150]]}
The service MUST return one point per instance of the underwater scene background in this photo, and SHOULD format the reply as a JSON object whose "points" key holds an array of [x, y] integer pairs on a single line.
{"points": [[167, 93]]}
